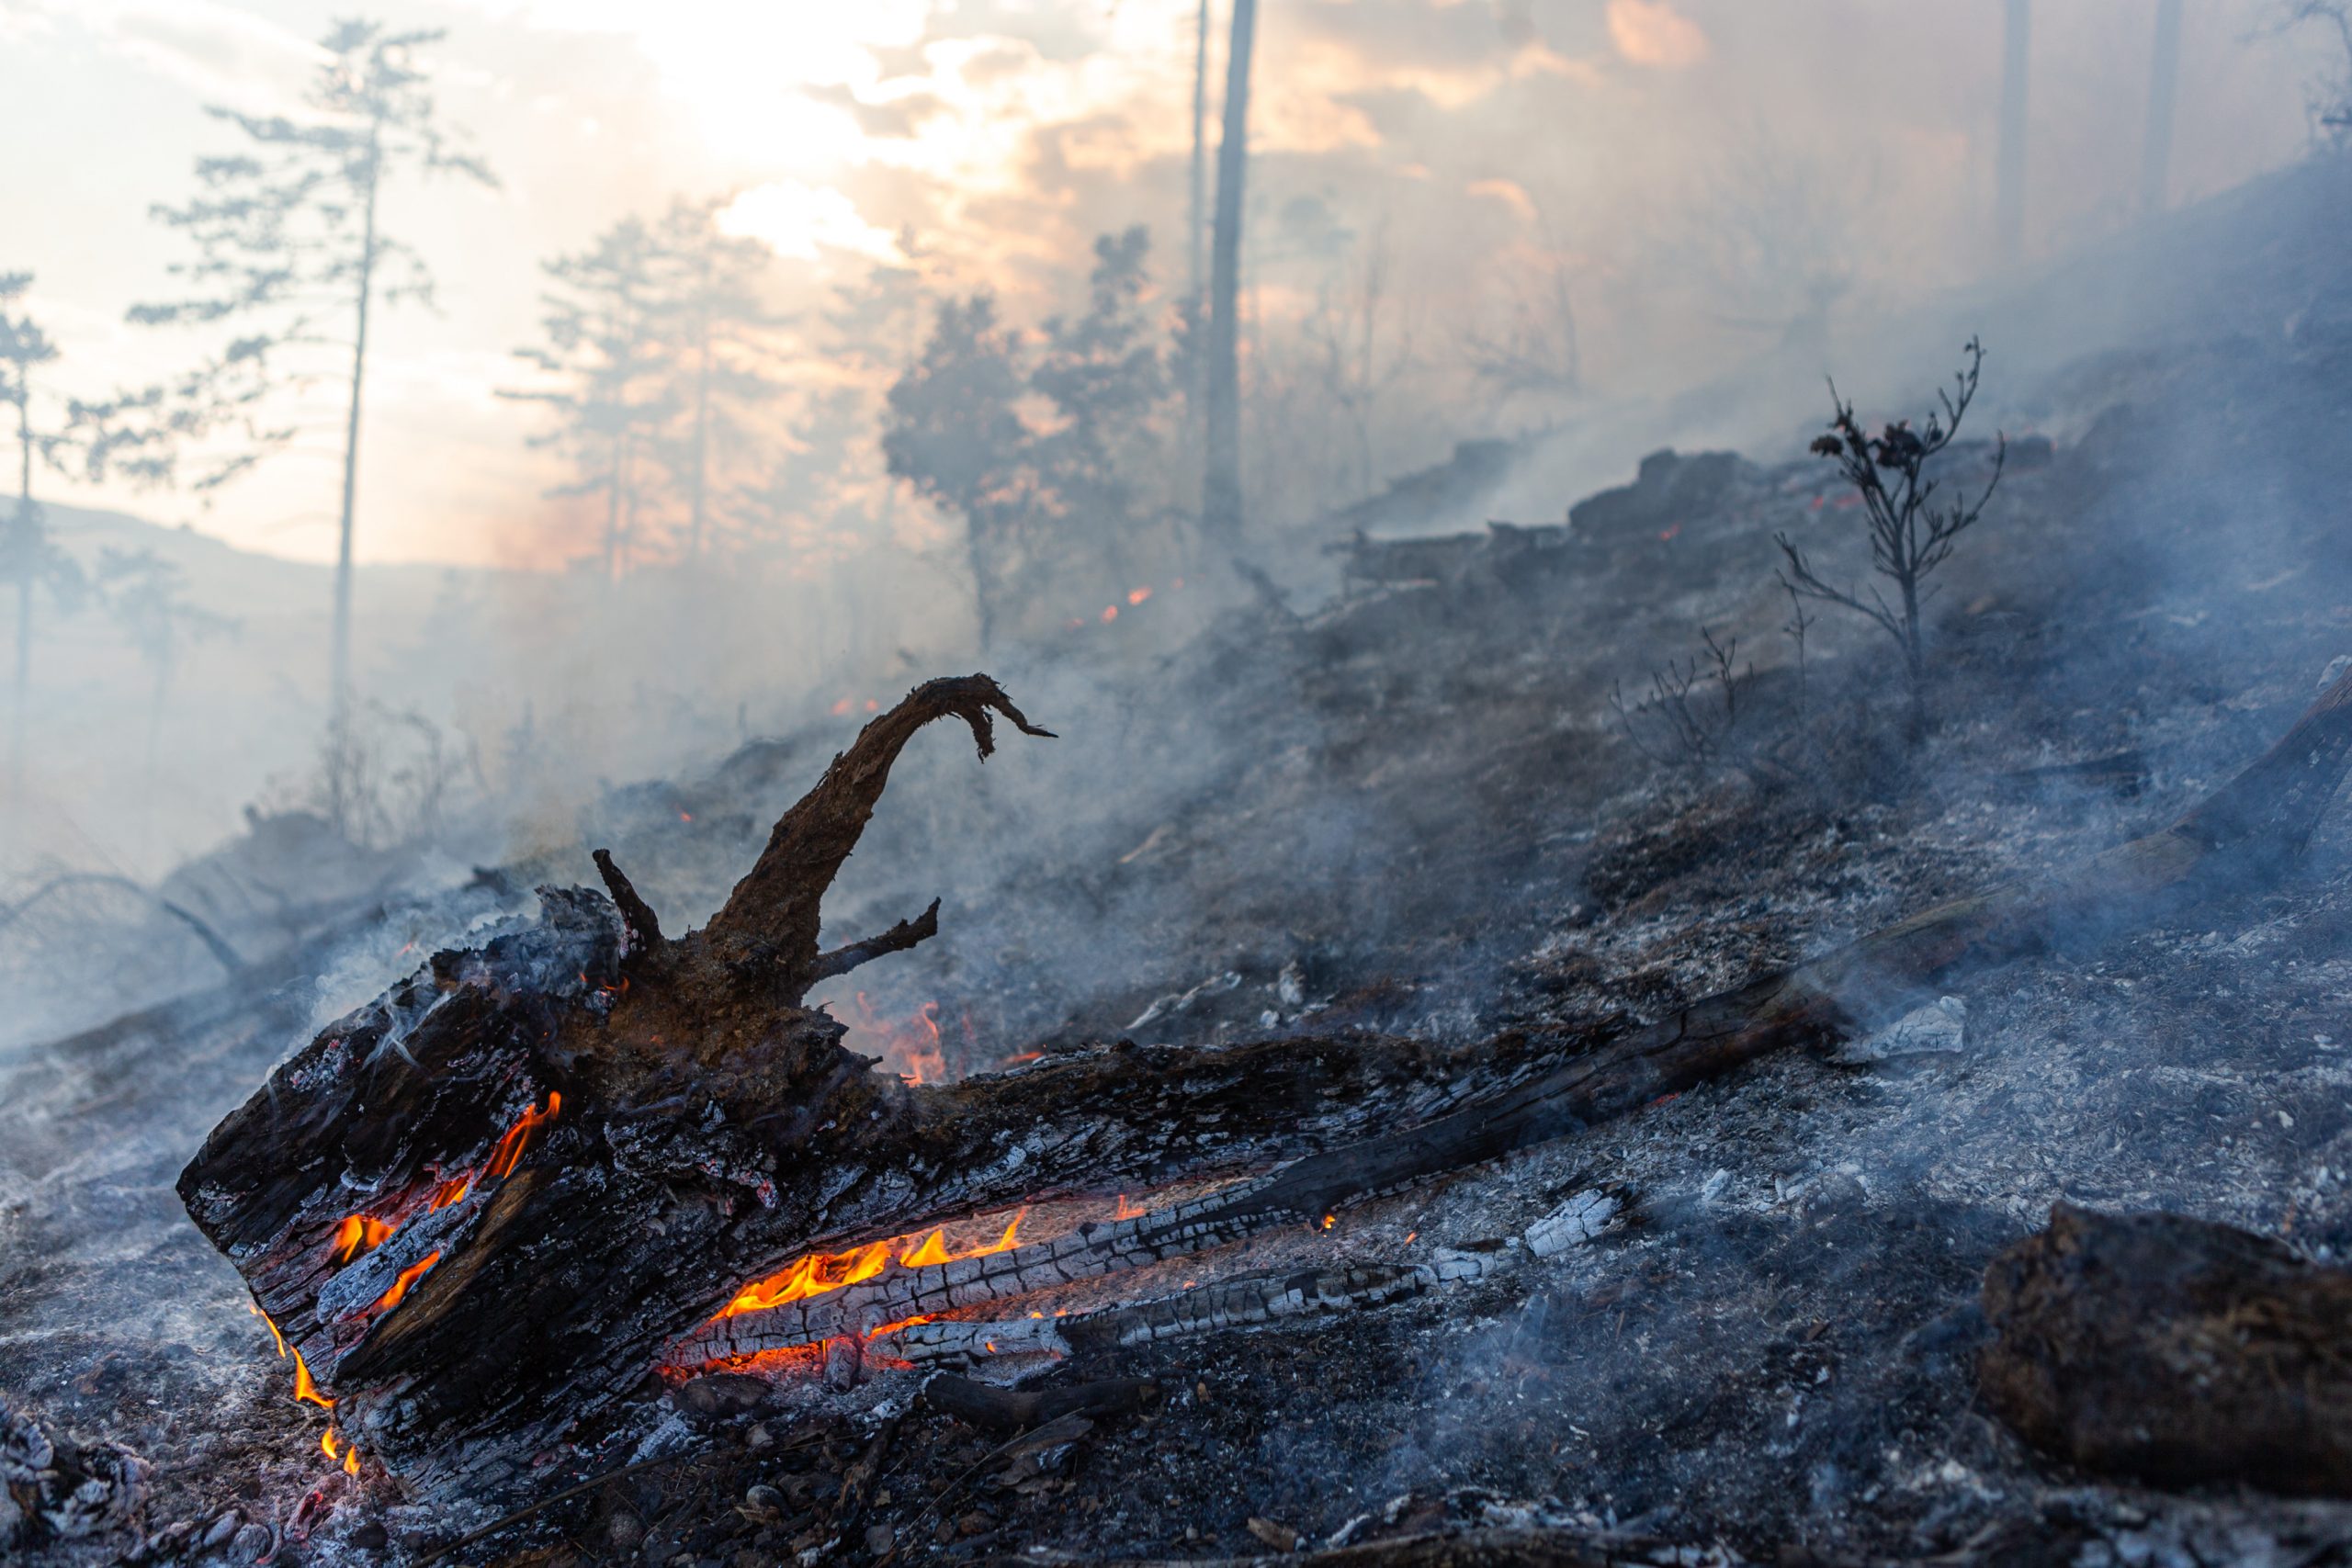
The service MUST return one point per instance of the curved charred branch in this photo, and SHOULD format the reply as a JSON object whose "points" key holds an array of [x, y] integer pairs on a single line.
{"points": [[643, 925], [775, 911], [897, 939]]}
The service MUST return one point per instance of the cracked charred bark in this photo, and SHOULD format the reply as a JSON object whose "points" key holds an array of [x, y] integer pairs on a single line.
{"points": [[702, 1126]]}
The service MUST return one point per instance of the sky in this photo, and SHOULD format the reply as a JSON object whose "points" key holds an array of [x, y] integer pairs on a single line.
{"points": [[1660, 153]]}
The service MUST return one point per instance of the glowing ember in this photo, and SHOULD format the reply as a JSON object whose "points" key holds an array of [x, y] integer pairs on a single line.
{"points": [[1110, 613], [820, 1272], [1330, 1219], [450, 1192], [358, 1233], [1137, 595], [1128, 1210], [408, 1276]]}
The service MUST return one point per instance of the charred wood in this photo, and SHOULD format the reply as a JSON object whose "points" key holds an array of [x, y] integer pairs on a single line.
{"points": [[2173, 1350]]}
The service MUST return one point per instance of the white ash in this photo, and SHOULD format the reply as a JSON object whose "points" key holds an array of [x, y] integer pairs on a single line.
{"points": [[1938, 1029], [1584, 1218]]}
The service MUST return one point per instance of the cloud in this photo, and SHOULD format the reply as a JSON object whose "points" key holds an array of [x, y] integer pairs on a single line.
{"points": [[897, 117], [1510, 193], [800, 220], [221, 54], [1652, 32]]}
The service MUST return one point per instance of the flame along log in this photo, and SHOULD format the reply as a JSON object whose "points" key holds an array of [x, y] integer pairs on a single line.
{"points": [[703, 1128]]}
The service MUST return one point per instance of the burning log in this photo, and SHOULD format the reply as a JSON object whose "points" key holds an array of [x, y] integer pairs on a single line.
{"points": [[588, 1147], [2174, 1349]]}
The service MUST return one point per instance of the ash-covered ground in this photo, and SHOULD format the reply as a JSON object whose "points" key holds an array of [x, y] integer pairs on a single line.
{"points": [[1410, 810]]}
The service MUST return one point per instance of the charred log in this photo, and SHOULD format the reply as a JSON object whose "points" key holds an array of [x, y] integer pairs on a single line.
{"points": [[482, 1208], [2173, 1350]]}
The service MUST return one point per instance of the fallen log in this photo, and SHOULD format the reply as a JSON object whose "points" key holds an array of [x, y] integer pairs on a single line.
{"points": [[482, 1208], [2174, 1351]]}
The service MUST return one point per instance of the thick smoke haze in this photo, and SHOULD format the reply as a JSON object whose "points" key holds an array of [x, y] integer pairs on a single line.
{"points": [[1600, 225]]}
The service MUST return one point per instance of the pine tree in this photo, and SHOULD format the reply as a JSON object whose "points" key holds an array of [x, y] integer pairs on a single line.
{"points": [[29, 556], [612, 374], [287, 233]]}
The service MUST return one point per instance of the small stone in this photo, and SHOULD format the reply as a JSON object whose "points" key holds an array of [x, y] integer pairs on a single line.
{"points": [[758, 1439], [764, 1503], [624, 1531], [880, 1540], [252, 1543], [222, 1528], [1201, 1392], [1281, 1538], [721, 1393]]}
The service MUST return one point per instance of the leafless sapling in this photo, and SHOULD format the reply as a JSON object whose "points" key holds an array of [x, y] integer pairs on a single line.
{"points": [[1693, 708], [1911, 532]]}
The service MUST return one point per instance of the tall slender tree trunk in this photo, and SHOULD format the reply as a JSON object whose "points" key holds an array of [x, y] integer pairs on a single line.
{"points": [[1196, 219], [339, 657], [2163, 87], [26, 567], [1221, 479], [2008, 180], [613, 509]]}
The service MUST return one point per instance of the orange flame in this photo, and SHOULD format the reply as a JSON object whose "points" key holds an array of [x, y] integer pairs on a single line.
{"points": [[1128, 1210], [304, 1388], [820, 1272], [255, 1308], [450, 1192], [326, 1442], [358, 1233], [518, 1137], [408, 1276], [913, 1044]]}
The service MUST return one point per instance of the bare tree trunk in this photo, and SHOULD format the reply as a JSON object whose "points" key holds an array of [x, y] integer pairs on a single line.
{"points": [[1221, 481], [24, 582], [2009, 202], [1196, 225], [2164, 83], [339, 654], [613, 510]]}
